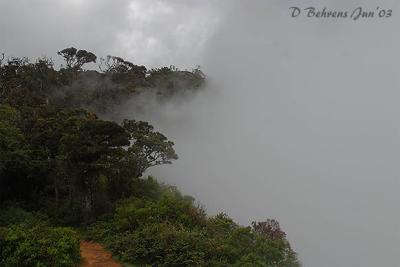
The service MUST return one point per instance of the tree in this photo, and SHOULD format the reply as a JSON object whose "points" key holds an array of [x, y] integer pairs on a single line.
{"points": [[88, 153], [113, 64], [14, 153], [75, 59], [149, 147], [69, 54], [270, 229]]}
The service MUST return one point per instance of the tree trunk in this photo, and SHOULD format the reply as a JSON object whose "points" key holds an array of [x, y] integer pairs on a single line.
{"points": [[56, 192]]}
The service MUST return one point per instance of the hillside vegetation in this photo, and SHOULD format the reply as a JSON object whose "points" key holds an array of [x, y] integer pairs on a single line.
{"points": [[66, 174]]}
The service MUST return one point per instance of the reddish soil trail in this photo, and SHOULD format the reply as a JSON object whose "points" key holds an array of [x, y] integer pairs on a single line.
{"points": [[94, 255]]}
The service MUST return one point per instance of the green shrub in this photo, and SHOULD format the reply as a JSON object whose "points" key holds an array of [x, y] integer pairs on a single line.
{"points": [[171, 231], [103, 231], [14, 215], [162, 245], [38, 246], [170, 207]]}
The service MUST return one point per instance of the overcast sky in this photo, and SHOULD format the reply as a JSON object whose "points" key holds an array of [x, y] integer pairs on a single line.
{"points": [[146, 32], [300, 121]]}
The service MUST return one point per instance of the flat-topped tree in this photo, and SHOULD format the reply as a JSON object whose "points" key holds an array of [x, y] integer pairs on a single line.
{"points": [[75, 59]]}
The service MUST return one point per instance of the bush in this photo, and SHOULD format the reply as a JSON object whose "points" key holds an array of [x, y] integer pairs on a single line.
{"points": [[169, 208], [38, 246], [162, 245], [14, 215], [171, 231]]}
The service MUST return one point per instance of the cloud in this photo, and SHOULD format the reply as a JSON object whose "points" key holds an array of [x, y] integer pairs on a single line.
{"points": [[154, 33], [300, 123]]}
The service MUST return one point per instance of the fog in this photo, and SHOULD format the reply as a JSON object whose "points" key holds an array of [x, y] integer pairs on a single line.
{"points": [[299, 121]]}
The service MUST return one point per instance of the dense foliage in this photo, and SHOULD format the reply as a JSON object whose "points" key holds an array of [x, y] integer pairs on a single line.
{"points": [[27, 240], [58, 158], [55, 151], [160, 226]]}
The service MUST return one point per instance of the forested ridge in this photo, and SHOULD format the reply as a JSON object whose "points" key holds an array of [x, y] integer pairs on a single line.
{"points": [[66, 174]]}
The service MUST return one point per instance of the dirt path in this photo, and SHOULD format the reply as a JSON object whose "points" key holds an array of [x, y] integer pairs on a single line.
{"points": [[94, 255]]}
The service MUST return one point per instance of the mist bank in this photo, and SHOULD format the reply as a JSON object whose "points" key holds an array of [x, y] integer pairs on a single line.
{"points": [[299, 122]]}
